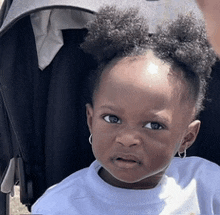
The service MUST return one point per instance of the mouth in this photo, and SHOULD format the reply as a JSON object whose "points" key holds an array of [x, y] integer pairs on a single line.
{"points": [[127, 161]]}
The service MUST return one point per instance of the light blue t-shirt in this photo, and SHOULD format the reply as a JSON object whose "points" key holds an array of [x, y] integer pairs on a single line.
{"points": [[189, 186]]}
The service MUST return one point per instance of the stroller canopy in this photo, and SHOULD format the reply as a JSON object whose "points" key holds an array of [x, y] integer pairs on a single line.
{"points": [[157, 11]]}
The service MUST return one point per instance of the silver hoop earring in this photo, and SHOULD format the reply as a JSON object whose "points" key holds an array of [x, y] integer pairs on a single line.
{"points": [[90, 139], [182, 156]]}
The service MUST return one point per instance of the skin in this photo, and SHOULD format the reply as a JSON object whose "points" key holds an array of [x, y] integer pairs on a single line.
{"points": [[139, 122], [210, 9]]}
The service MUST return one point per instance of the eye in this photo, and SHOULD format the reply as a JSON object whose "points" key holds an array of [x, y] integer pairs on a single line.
{"points": [[154, 126], [112, 119]]}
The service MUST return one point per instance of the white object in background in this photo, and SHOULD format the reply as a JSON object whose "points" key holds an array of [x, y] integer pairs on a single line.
{"points": [[48, 26]]}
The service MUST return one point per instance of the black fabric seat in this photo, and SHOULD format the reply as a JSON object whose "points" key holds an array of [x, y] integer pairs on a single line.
{"points": [[44, 118]]}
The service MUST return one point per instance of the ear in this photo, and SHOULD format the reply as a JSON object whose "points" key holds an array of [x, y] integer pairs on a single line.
{"points": [[190, 136], [89, 114]]}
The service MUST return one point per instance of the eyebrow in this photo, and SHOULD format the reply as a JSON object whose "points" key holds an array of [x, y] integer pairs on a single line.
{"points": [[163, 119], [110, 107]]}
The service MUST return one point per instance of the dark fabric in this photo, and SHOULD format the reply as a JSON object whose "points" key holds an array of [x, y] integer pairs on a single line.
{"points": [[46, 109], [207, 144], [4, 204], [19, 73], [66, 128], [4, 10], [5, 139]]}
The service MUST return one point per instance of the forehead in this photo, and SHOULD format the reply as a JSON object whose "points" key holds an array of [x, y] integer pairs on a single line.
{"points": [[141, 73], [139, 70], [144, 80]]}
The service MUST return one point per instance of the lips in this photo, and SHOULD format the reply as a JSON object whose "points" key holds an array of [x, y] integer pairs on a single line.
{"points": [[126, 161], [127, 158]]}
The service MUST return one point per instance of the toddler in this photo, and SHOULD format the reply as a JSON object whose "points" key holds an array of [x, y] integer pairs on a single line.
{"points": [[145, 99]]}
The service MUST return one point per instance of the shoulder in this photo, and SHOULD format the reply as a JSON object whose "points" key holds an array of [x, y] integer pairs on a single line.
{"points": [[204, 172], [58, 195], [193, 161], [198, 180]]}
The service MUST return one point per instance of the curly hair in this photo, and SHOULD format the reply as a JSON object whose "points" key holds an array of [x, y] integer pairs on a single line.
{"points": [[181, 43]]}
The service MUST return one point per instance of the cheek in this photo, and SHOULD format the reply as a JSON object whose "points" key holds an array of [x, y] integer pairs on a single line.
{"points": [[158, 156], [102, 140], [161, 146]]}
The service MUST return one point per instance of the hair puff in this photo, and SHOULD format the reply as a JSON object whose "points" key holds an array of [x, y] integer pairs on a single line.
{"points": [[115, 32], [182, 43], [185, 41]]}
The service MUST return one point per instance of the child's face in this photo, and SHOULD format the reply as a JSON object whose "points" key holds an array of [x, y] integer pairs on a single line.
{"points": [[138, 122]]}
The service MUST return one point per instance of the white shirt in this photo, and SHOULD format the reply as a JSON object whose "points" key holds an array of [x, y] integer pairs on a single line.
{"points": [[189, 186]]}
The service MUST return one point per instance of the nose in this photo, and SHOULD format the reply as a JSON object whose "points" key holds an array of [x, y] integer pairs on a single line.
{"points": [[129, 138]]}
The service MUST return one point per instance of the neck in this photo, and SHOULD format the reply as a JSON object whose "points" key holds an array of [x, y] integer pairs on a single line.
{"points": [[147, 183]]}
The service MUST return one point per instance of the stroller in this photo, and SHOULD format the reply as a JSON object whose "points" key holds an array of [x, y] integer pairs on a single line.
{"points": [[43, 131]]}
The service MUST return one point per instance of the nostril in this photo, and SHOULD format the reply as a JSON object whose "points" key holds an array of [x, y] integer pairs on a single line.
{"points": [[134, 144], [129, 138], [129, 143]]}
